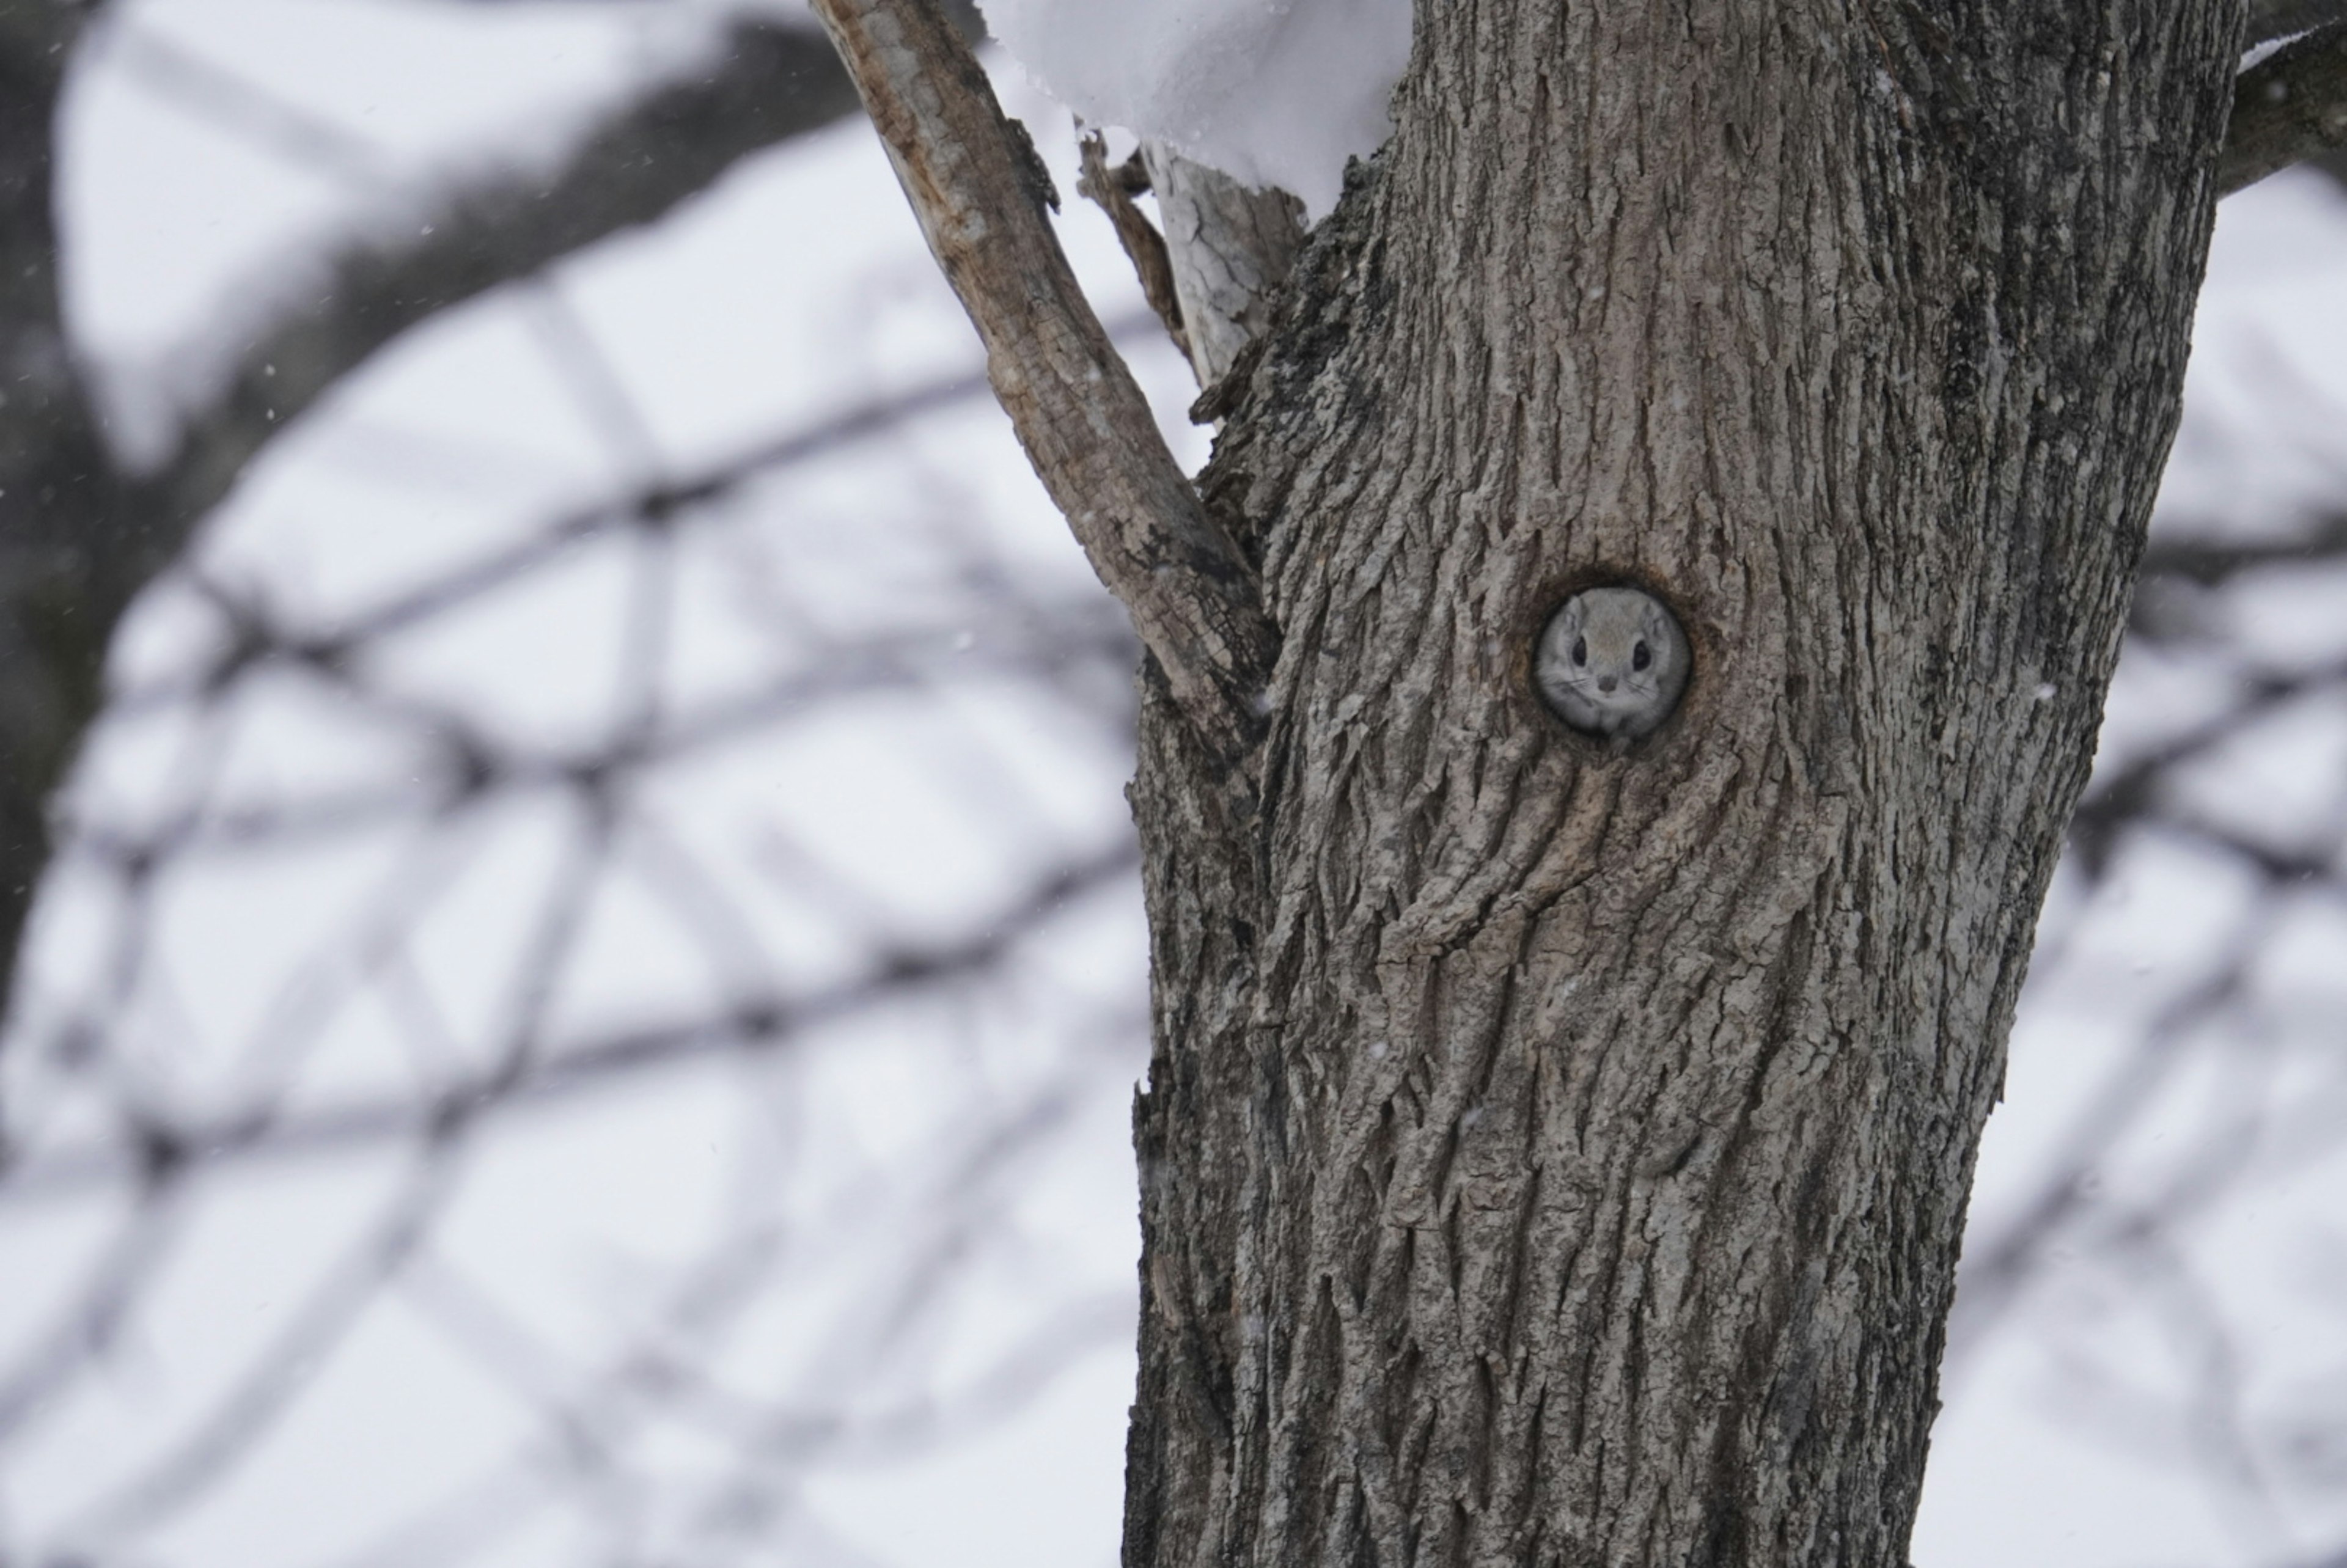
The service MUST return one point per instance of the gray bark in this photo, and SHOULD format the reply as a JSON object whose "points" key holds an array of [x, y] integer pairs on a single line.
{"points": [[1555, 1152], [1232, 249]]}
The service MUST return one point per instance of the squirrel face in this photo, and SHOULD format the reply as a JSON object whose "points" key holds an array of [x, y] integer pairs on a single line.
{"points": [[1611, 662]]}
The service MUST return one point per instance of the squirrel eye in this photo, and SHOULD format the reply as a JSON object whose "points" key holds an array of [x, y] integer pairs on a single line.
{"points": [[1581, 650], [1640, 656]]}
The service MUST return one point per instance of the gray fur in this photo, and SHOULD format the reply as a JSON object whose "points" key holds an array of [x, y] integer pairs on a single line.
{"points": [[1604, 690]]}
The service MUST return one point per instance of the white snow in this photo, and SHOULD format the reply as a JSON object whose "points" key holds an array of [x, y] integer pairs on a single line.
{"points": [[1271, 92]]}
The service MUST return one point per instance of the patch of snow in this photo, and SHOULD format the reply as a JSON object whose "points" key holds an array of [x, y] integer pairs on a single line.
{"points": [[1271, 92]]}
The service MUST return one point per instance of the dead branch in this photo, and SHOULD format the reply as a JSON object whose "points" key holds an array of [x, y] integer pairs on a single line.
{"points": [[1232, 249], [1113, 190]]}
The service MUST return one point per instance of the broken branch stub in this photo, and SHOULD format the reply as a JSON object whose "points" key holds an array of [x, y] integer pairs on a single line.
{"points": [[1113, 190]]}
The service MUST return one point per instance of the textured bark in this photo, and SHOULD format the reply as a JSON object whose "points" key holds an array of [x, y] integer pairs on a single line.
{"points": [[1555, 1153], [1232, 249], [1112, 191]]}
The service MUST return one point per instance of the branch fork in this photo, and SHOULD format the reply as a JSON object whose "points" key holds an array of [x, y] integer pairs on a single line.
{"points": [[1086, 427]]}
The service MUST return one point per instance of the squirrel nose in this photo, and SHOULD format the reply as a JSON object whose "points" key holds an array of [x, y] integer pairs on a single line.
{"points": [[1606, 683]]}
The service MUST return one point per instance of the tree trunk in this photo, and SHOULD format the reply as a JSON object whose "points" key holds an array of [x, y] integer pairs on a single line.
{"points": [[70, 547], [1556, 1151]]}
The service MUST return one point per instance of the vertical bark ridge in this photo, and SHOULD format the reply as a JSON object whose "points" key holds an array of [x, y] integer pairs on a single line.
{"points": [[1601, 1118]]}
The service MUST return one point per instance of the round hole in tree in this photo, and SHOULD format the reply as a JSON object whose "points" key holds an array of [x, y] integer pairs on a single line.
{"points": [[1611, 662]]}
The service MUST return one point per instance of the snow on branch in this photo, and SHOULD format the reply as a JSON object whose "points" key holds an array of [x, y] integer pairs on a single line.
{"points": [[979, 190], [2288, 107], [2271, 19]]}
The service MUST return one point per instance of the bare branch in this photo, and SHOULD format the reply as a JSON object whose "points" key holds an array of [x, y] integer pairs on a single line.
{"points": [[559, 1070], [79, 537], [2271, 19], [2209, 562], [67, 537], [2288, 107], [769, 83], [977, 189], [1113, 190]]}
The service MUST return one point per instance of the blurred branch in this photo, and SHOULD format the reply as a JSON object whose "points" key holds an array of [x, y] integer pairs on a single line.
{"points": [[79, 537], [89, 1322], [1038, 643], [2271, 19], [119, 1093], [198, 1459], [769, 83], [650, 504], [2212, 561], [2290, 107], [556, 1071], [1998, 1268], [62, 520], [2123, 794], [663, 1371], [234, 100], [255, 637]]}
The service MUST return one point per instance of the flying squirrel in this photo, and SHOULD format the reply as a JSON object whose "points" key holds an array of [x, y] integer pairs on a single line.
{"points": [[1611, 662]]}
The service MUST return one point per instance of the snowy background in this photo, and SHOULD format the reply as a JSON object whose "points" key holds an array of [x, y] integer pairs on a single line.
{"points": [[590, 1009]]}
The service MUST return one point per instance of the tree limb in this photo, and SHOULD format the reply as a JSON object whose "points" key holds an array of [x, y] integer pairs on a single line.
{"points": [[975, 183], [2290, 107], [769, 83], [1113, 190], [80, 534], [2271, 19], [563, 1069], [59, 497]]}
